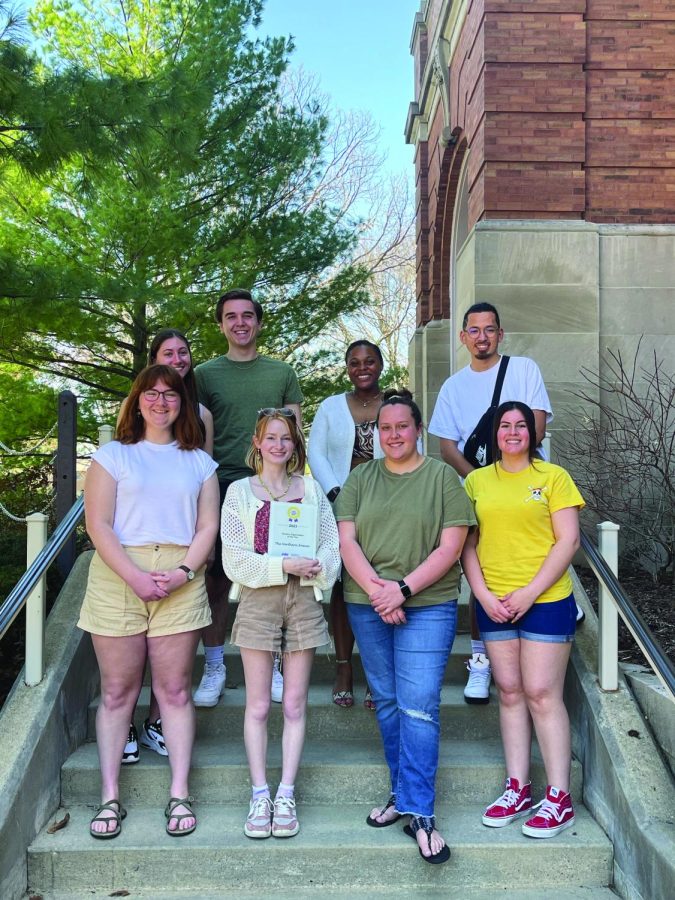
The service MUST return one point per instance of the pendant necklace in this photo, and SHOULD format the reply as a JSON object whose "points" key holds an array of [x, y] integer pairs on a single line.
{"points": [[288, 486], [365, 403]]}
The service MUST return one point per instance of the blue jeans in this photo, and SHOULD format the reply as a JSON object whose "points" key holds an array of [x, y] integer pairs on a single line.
{"points": [[405, 665]]}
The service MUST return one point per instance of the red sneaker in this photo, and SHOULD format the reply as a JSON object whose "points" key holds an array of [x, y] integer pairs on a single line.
{"points": [[513, 803], [555, 814]]}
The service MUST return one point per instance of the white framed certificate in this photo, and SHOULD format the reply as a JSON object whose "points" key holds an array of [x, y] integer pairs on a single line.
{"points": [[292, 529]]}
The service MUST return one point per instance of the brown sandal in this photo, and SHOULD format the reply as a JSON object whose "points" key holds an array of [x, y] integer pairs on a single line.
{"points": [[170, 814], [118, 814]]}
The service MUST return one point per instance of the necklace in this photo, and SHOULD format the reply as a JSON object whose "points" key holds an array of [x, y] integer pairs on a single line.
{"points": [[288, 486], [365, 403]]}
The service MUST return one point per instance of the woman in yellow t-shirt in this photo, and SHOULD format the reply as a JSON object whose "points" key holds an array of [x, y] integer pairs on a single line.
{"points": [[516, 563]]}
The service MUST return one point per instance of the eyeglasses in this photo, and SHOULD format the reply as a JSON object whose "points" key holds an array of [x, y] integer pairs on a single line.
{"points": [[284, 411], [490, 331], [168, 396]]}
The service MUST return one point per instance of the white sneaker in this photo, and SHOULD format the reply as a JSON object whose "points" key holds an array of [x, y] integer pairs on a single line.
{"points": [[477, 688], [277, 681], [211, 686]]}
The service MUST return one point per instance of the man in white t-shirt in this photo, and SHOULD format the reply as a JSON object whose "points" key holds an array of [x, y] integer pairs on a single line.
{"points": [[462, 400]]}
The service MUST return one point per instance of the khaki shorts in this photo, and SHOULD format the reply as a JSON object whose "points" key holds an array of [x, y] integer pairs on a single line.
{"points": [[112, 609], [282, 618]]}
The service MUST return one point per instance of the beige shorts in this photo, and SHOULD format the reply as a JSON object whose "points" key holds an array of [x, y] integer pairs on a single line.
{"points": [[282, 618], [112, 609]]}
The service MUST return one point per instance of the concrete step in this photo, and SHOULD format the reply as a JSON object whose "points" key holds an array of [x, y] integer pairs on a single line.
{"points": [[323, 670], [459, 720], [470, 772], [334, 849], [385, 890]]}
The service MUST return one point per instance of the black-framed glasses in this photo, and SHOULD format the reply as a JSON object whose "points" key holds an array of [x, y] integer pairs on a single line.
{"points": [[168, 396], [284, 411]]}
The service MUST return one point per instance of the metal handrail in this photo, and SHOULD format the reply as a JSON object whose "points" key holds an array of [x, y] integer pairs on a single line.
{"points": [[657, 659], [17, 597]]}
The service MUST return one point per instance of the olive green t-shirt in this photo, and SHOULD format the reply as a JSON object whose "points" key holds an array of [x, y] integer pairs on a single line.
{"points": [[234, 392], [399, 520]]}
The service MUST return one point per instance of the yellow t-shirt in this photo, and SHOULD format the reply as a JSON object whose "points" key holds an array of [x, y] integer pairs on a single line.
{"points": [[514, 516]]}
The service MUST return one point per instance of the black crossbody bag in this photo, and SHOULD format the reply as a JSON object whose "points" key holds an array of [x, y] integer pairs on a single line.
{"points": [[478, 448]]}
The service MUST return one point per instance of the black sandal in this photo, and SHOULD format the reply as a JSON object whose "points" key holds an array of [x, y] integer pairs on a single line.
{"points": [[427, 824], [119, 813], [170, 814], [375, 824]]}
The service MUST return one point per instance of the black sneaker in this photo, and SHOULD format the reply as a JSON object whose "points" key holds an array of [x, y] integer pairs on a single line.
{"points": [[131, 754], [152, 737]]}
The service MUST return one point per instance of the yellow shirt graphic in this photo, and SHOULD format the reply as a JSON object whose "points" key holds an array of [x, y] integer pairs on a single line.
{"points": [[514, 516]]}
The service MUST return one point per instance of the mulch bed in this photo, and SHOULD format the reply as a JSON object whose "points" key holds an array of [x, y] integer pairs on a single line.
{"points": [[655, 603]]}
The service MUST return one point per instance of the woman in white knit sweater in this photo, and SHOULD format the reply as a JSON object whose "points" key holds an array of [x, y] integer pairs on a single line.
{"points": [[343, 436], [279, 605]]}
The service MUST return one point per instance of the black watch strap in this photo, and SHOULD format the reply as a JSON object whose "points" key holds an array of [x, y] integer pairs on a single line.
{"points": [[332, 493], [405, 590]]}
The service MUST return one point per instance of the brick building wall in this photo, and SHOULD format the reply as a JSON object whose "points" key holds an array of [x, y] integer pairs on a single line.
{"points": [[566, 106]]}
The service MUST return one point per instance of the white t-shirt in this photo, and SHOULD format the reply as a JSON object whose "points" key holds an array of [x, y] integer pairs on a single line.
{"points": [[158, 487], [465, 396]]}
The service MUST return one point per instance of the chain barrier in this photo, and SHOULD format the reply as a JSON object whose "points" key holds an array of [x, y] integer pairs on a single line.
{"points": [[20, 519], [32, 449]]}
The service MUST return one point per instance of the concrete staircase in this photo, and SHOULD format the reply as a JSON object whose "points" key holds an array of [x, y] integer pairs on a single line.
{"points": [[342, 776]]}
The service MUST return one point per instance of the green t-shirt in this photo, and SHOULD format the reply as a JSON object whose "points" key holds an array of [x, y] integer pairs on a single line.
{"points": [[399, 520], [234, 392]]}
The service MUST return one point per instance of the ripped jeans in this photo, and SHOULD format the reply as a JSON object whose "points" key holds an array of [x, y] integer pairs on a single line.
{"points": [[405, 665]]}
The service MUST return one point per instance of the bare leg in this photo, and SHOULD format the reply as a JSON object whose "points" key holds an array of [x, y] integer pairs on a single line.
{"points": [[121, 661], [473, 621], [258, 678], [297, 669], [153, 711], [543, 666], [217, 588], [171, 660], [343, 639], [514, 717]]}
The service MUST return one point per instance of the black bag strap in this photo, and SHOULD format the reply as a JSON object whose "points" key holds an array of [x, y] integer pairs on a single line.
{"points": [[500, 381]]}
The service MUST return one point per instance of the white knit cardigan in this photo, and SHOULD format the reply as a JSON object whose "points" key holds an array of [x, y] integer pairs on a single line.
{"points": [[243, 566], [331, 442]]}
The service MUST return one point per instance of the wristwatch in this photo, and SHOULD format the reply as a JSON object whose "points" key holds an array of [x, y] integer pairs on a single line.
{"points": [[332, 494], [405, 590], [190, 574]]}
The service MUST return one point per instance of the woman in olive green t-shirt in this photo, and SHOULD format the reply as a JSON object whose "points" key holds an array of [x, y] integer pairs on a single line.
{"points": [[403, 520]]}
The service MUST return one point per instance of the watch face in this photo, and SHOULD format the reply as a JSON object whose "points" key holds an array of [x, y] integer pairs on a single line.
{"points": [[190, 575]]}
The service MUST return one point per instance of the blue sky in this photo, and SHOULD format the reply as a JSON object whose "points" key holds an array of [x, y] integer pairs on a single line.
{"points": [[360, 50]]}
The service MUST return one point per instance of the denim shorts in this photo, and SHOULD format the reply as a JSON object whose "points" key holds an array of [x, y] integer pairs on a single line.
{"points": [[550, 623]]}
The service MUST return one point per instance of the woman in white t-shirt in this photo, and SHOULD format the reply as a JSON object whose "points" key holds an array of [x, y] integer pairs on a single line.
{"points": [[151, 505]]}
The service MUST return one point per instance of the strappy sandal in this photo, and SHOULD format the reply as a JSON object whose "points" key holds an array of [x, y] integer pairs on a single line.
{"points": [[388, 805], [427, 824], [119, 813], [345, 699], [170, 814], [368, 701]]}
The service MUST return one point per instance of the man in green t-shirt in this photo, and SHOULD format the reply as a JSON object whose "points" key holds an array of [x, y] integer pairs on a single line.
{"points": [[234, 387]]}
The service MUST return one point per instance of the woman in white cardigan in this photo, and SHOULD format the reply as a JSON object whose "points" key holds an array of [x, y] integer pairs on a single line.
{"points": [[342, 436], [278, 609]]}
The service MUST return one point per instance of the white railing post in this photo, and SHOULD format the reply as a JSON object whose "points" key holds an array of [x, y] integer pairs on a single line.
{"points": [[36, 538], [608, 616], [105, 434]]}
